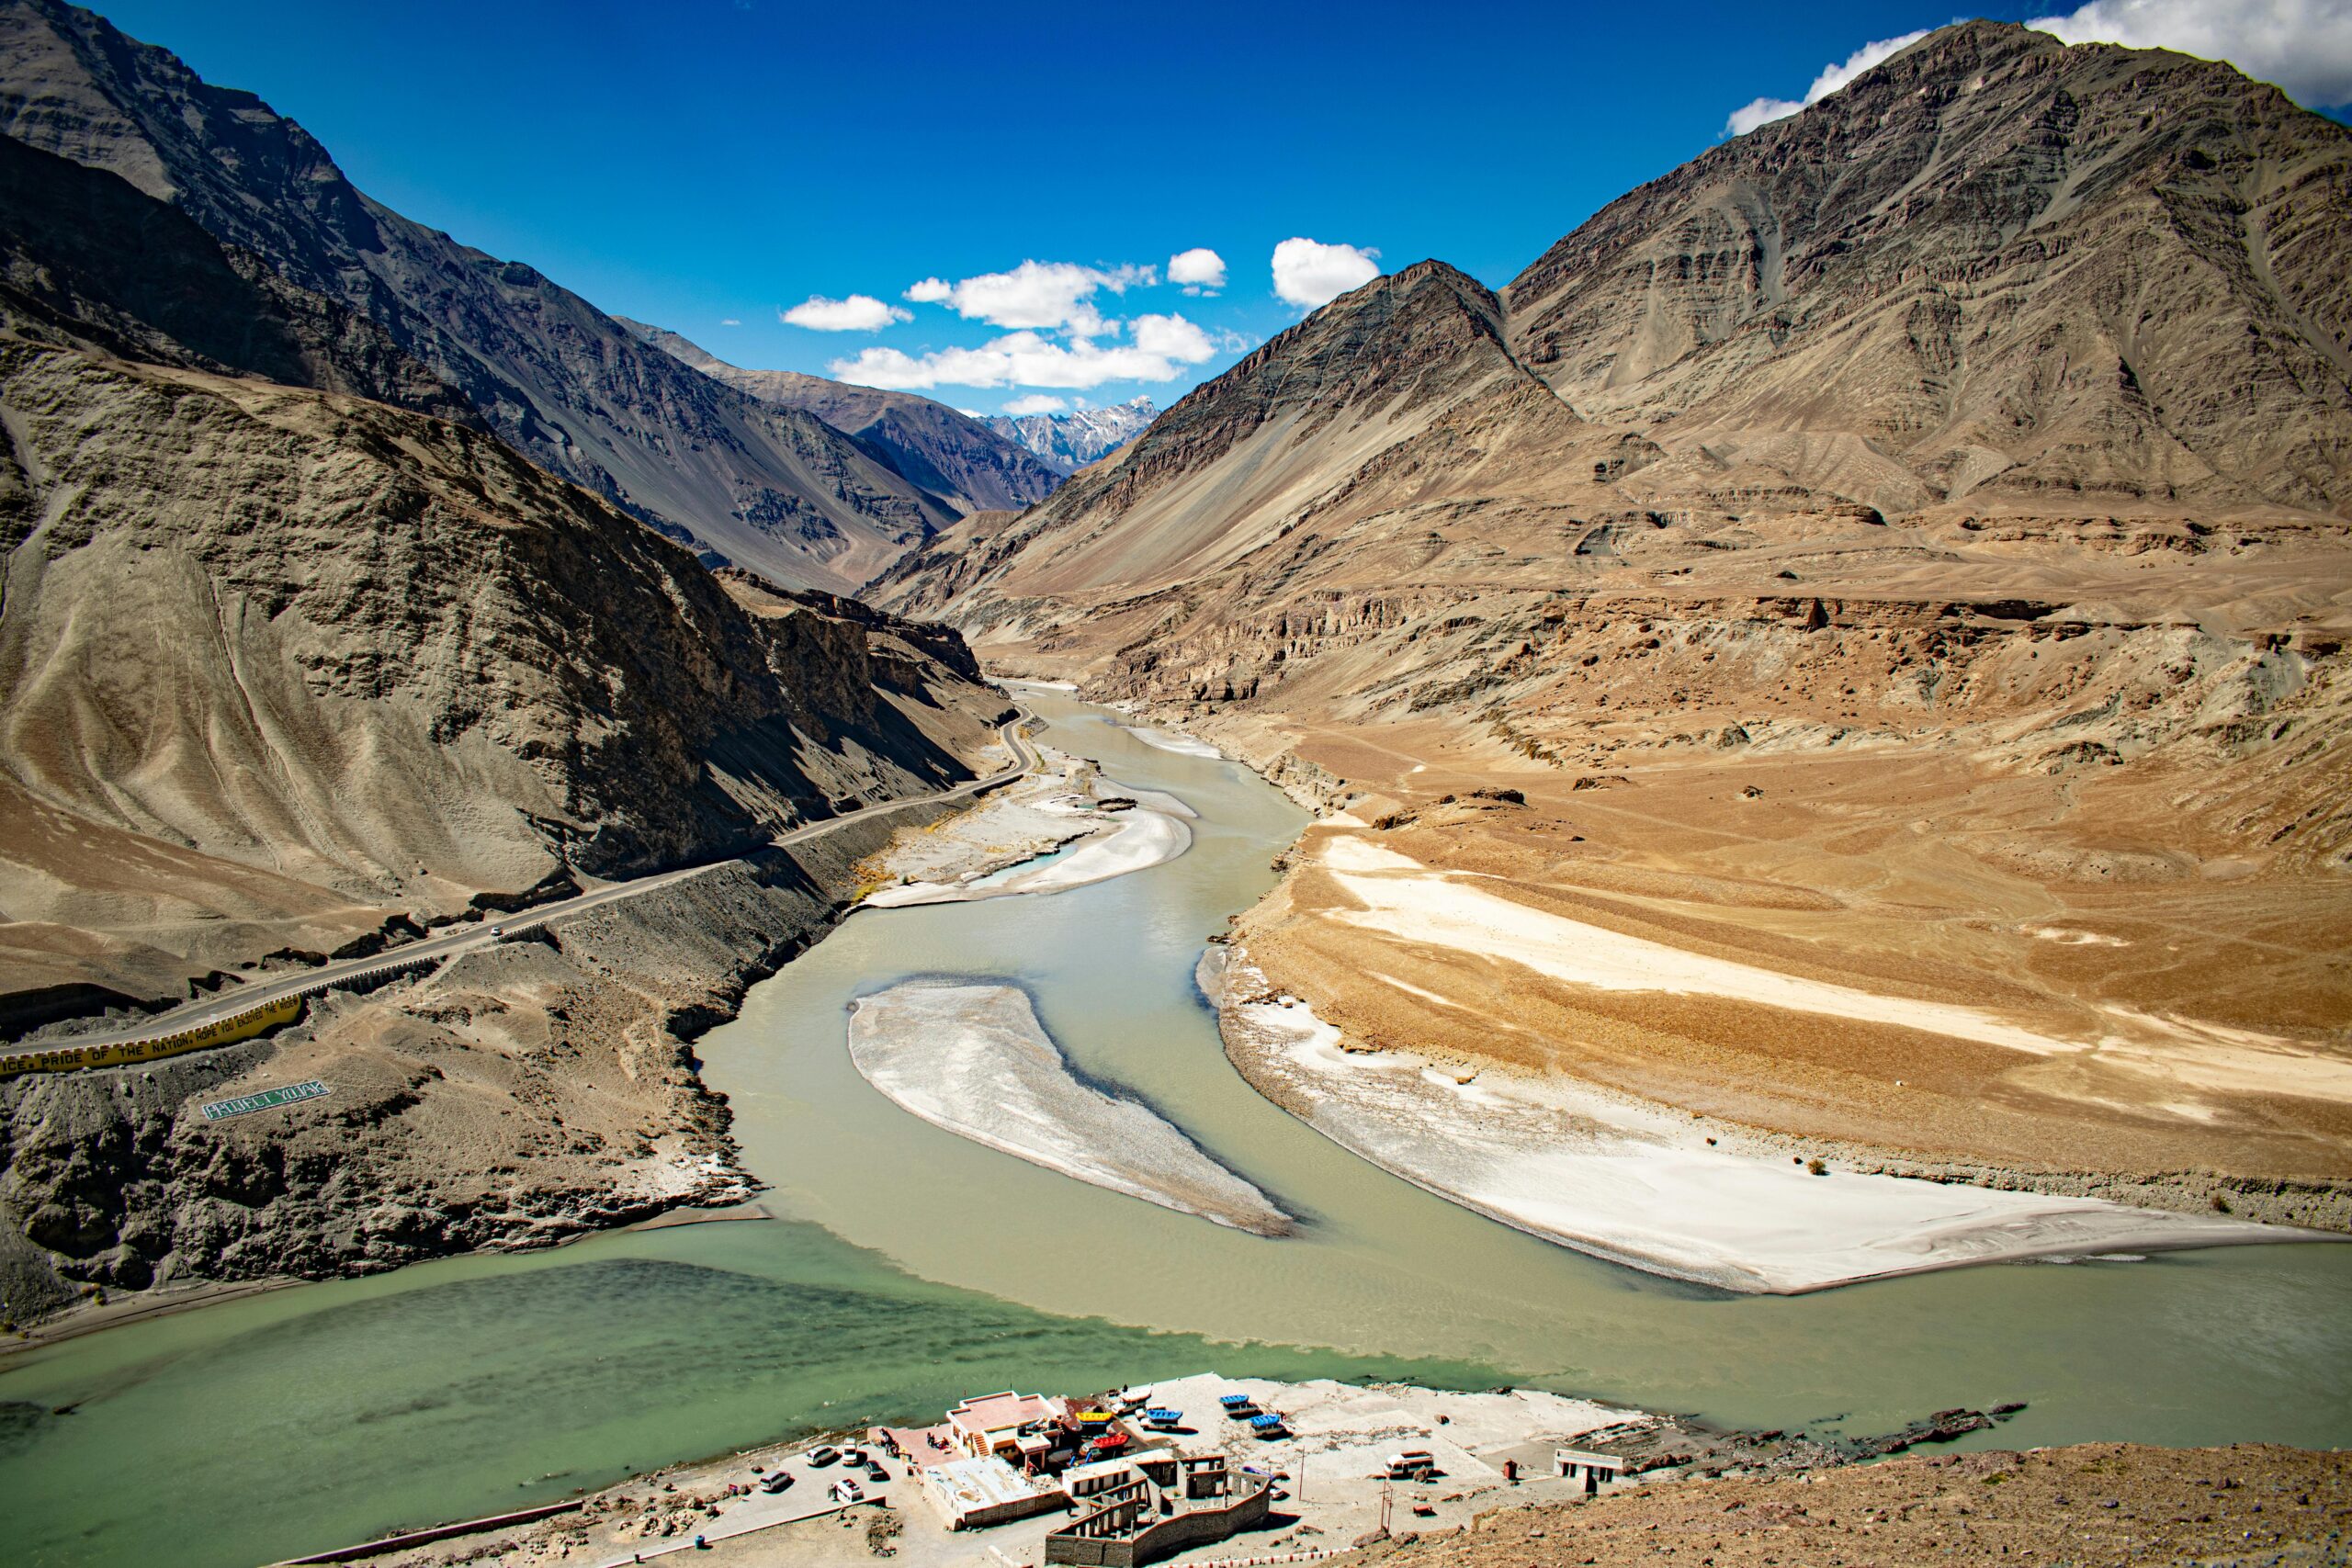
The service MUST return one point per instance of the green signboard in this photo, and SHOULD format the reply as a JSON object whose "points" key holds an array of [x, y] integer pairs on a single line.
{"points": [[265, 1100]]}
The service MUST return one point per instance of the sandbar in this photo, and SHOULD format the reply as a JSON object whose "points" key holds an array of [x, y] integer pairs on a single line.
{"points": [[973, 1059]]}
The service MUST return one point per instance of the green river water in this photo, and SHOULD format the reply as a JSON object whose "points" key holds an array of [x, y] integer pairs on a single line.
{"points": [[914, 1267]]}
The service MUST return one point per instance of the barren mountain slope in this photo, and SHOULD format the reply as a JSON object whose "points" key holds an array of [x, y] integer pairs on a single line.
{"points": [[776, 490], [2071, 747], [88, 260], [277, 666], [953, 455], [1994, 267]]}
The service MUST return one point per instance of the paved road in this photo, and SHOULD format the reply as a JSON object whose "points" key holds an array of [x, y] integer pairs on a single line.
{"points": [[456, 940]]}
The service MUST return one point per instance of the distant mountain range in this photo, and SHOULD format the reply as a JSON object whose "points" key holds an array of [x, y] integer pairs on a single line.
{"points": [[949, 452], [1068, 442]]}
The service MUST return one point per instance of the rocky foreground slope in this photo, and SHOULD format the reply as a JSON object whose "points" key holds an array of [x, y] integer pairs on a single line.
{"points": [[773, 488], [2098, 1503], [1906, 547]]}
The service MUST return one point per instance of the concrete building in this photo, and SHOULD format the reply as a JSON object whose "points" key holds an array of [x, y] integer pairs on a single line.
{"points": [[974, 1493], [991, 1426], [1594, 1468], [1167, 1502]]}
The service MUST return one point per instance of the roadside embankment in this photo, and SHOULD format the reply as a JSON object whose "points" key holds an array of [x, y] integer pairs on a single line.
{"points": [[521, 1094]]}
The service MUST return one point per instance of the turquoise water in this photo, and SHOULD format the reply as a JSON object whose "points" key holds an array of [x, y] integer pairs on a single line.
{"points": [[915, 1266]]}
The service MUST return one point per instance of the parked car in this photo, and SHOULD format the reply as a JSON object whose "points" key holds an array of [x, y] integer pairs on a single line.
{"points": [[846, 1491], [823, 1454], [875, 1470], [853, 1458], [777, 1481]]}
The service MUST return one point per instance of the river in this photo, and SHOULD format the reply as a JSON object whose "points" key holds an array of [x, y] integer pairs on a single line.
{"points": [[912, 1266]]}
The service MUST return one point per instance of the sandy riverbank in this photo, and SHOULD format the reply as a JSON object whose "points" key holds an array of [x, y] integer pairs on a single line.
{"points": [[974, 1060], [1328, 1467], [1066, 827], [1639, 1184]]}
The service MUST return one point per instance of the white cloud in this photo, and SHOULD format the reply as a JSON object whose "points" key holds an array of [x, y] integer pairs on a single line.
{"points": [[1199, 270], [1035, 295], [2304, 46], [1764, 111], [730, 322], [1036, 402], [1173, 337], [858, 313], [1309, 273], [1160, 347]]}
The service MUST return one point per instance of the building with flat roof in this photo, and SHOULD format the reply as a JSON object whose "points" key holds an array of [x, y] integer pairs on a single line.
{"points": [[991, 1425], [1167, 1502], [973, 1492], [1594, 1468]]}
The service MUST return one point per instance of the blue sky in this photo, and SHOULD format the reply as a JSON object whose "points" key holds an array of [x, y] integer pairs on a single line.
{"points": [[711, 162]]}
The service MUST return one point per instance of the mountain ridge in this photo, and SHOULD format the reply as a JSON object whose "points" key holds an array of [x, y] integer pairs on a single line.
{"points": [[776, 490], [953, 455], [1067, 442]]}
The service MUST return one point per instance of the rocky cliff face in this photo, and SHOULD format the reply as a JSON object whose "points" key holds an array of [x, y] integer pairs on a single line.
{"points": [[952, 455], [1068, 442], [773, 488]]}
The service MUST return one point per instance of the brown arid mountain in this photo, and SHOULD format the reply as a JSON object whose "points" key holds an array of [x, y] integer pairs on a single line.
{"points": [[1908, 548], [948, 453], [772, 488], [291, 672]]}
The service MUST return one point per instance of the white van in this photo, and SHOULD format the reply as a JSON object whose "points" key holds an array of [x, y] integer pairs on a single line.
{"points": [[1413, 1464]]}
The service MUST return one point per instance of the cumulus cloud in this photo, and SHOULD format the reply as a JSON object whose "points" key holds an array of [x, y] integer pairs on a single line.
{"points": [[1157, 349], [1035, 295], [1199, 270], [1764, 111], [2304, 46], [858, 313], [1310, 273], [1035, 402]]}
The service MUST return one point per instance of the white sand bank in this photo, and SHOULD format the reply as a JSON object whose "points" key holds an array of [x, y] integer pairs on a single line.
{"points": [[1403, 899], [975, 1060], [1152, 832], [1635, 1184], [1171, 739]]}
